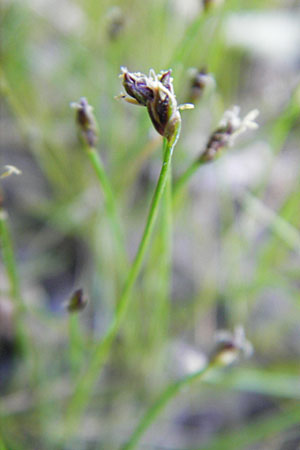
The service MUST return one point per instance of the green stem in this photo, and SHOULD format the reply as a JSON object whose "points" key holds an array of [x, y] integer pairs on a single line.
{"points": [[160, 263], [184, 178], [100, 171], [12, 100], [9, 261], [279, 132], [168, 394], [86, 383], [161, 318], [257, 431], [13, 277], [75, 342], [23, 335], [2, 445], [186, 42]]}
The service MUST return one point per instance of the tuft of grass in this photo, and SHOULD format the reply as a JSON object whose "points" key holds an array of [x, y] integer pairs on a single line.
{"points": [[220, 245]]}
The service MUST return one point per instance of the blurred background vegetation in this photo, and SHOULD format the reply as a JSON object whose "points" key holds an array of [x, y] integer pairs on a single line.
{"points": [[235, 239]]}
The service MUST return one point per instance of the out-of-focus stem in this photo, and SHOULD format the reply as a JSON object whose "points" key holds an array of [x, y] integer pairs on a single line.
{"points": [[75, 340], [2, 445], [166, 396], [185, 177], [100, 171], [8, 255]]}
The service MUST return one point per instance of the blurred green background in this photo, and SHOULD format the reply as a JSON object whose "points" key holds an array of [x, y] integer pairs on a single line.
{"points": [[233, 245]]}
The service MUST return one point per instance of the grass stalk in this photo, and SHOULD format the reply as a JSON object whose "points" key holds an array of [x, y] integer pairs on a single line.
{"points": [[16, 106], [110, 203], [75, 342], [162, 311], [10, 265], [86, 382], [184, 178], [2, 445], [165, 397], [257, 431], [160, 265], [9, 261], [167, 259]]}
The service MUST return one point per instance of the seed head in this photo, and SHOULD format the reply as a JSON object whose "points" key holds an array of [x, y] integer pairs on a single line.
{"points": [[200, 80], [116, 22], [157, 94], [230, 126], [208, 4], [231, 347], [77, 301], [86, 121]]}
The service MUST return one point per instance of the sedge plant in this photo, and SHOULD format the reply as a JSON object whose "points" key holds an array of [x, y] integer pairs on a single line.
{"points": [[156, 93], [87, 58], [9, 260]]}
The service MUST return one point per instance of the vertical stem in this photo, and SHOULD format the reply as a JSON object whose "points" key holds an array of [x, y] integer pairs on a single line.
{"points": [[100, 171], [161, 307], [167, 258], [168, 228], [23, 335], [13, 277], [86, 383], [2, 445], [9, 260], [12, 100], [75, 342]]}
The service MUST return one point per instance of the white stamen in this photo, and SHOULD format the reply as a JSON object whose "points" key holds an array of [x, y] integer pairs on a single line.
{"points": [[10, 170]]}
